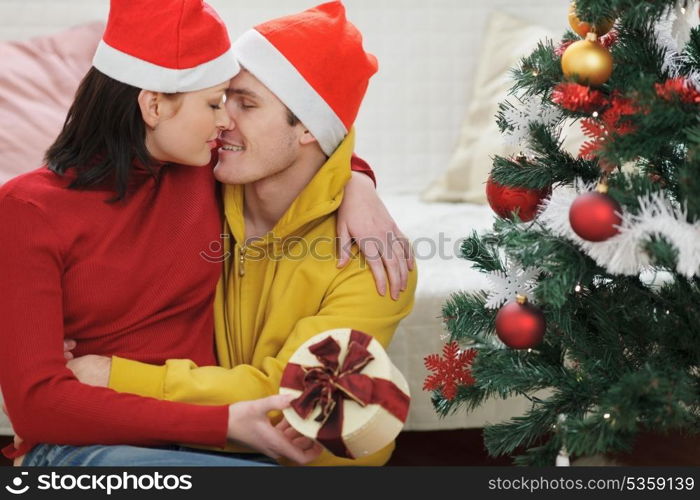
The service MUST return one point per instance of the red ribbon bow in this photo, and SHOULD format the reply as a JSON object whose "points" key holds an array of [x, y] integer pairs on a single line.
{"points": [[330, 383]]}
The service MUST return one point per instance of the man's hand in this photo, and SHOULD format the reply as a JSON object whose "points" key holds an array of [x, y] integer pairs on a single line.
{"points": [[91, 369], [249, 425], [363, 217]]}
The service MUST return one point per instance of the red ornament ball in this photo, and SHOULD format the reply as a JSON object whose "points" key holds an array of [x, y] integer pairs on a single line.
{"points": [[505, 200], [594, 216], [520, 326]]}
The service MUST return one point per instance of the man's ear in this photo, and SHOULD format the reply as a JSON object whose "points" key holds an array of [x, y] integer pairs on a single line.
{"points": [[307, 138], [149, 103]]}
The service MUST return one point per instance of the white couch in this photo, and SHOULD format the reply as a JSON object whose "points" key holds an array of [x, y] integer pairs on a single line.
{"points": [[407, 129]]}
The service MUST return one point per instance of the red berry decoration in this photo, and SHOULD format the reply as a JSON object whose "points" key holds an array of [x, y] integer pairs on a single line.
{"points": [[505, 200], [595, 216], [520, 325]]}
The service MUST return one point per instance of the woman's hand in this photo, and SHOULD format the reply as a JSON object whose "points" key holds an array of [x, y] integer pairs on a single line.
{"points": [[249, 425], [91, 369], [363, 217], [295, 437], [17, 441]]}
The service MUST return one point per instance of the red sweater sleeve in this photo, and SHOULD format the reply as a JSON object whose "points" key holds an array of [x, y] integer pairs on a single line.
{"points": [[45, 402], [357, 164]]}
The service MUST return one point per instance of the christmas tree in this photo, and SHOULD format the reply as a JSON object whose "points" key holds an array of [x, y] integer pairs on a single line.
{"points": [[595, 256]]}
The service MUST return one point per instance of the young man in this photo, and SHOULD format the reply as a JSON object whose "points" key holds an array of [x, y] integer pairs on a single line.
{"points": [[285, 161]]}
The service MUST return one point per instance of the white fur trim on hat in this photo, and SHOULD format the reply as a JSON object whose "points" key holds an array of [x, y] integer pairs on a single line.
{"points": [[144, 75], [264, 61]]}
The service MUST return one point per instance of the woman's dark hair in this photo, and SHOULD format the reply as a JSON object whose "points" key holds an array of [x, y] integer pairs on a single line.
{"points": [[103, 135]]}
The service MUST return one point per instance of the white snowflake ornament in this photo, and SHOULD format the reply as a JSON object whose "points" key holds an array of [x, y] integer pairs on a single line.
{"points": [[520, 118], [505, 286]]}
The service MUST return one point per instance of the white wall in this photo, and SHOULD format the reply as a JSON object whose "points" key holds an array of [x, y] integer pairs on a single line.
{"points": [[427, 50]]}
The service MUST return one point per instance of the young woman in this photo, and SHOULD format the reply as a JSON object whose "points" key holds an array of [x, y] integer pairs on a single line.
{"points": [[104, 246]]}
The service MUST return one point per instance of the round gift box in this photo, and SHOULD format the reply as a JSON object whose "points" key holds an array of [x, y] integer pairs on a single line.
{"points": [[365, 429]]}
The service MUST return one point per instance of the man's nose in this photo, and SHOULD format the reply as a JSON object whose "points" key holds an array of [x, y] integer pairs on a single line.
{"points": [[225, 122]]}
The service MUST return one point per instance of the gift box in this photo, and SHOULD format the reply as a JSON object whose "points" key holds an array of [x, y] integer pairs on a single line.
{"points": [[349, 395]]}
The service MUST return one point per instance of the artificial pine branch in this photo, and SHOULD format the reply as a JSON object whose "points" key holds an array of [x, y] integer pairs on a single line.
{"points": [[692, 49], [688, 174], [550, 166], [538, 72], [467, 319], [504, 438], [484, 256], [539, 456], [502, 372], [636, 12]]}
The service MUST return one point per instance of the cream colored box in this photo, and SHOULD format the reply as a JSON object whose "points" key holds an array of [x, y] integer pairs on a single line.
{"points": [[350, 396]]}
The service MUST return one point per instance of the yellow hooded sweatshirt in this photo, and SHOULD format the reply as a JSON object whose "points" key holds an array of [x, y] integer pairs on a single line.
{"points": [[275, 294]]}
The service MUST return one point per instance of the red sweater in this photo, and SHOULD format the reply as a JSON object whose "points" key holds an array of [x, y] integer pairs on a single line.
{"points": [[127, 279]]}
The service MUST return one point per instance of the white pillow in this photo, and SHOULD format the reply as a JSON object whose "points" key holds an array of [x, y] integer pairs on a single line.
{"points": [[507, 40]]}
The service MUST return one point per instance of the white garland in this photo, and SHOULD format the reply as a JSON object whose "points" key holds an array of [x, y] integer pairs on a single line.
{"points": [[624, 253], [520, 118], [672, 33]]}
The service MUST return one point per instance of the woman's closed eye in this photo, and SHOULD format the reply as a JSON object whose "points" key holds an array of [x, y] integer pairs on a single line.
{"points": [[219, 103]]}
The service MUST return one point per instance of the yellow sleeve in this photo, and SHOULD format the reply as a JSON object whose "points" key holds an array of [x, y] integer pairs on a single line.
{"points": [[352, 302]]}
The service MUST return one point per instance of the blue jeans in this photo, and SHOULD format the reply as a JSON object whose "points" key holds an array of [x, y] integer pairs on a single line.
{"points": [[53, 455]]}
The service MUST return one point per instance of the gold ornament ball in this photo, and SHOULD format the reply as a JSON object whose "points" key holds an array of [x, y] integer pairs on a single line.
{"points": [[587, 62], [584, 28]]}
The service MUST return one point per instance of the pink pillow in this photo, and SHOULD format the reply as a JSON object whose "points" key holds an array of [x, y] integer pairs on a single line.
{"points": [[38, 79]]}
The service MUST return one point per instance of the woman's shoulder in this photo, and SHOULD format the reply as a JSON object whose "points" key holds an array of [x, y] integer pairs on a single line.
{"points": [[37, 186]]}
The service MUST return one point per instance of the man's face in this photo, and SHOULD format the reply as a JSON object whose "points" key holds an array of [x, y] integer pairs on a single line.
{"points": [[260, 142]]}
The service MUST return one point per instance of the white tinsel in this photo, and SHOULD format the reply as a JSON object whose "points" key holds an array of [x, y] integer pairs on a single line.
{"points": [[562, 459], [624, 253], [529, 111], [506, 286], [655, 278], [672, 33]]}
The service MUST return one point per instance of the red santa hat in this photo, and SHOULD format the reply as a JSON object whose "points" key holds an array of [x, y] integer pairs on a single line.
{"points": [[165, 45], [315, 64]]}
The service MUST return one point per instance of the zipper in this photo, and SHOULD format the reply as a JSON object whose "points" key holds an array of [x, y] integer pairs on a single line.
{"points": [[227, 270], [241, 261], [239, 355]]}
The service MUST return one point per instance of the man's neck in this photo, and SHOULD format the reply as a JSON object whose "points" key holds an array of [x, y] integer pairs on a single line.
{"points": [[266, 200]]}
